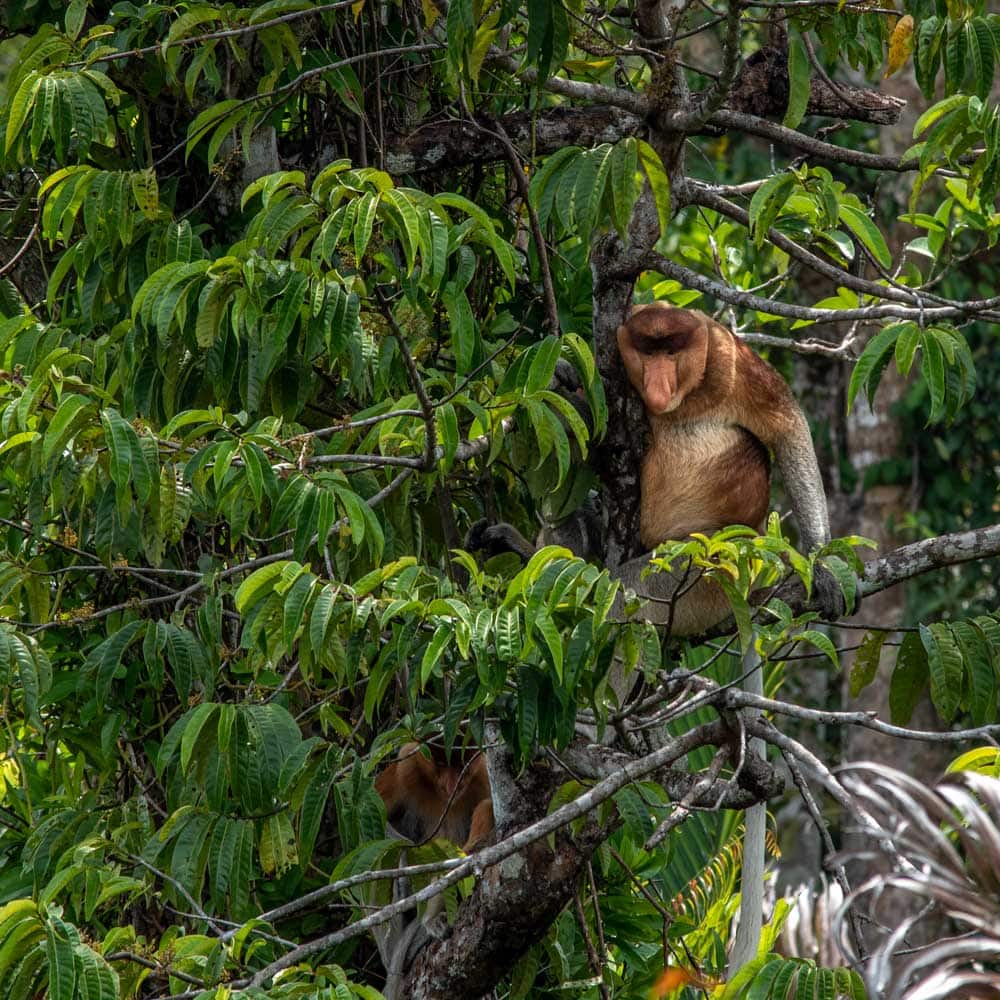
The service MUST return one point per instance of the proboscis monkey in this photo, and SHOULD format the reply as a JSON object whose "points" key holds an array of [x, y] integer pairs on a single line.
{"points": [[716, 411], [427, 796]]}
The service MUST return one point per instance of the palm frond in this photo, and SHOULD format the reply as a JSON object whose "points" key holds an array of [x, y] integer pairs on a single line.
{"points": [[941, 846]]}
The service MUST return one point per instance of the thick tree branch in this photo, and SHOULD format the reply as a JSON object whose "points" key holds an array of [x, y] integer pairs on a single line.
{"points": [[748, 300], [755, 125], [457, 141], [911, 560]]}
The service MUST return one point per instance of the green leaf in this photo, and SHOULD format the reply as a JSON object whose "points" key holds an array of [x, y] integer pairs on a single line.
{"points": [[932, 369], [906, 347], [543, 365], [258, 585], [867, 232], [866, 661], [798, 82], [635, 813], [909, 679], [954, 56], [944, 661], [73, 413], [659, 183], [873, 360], [60, 939], [446, 423], [767, 202], [365, 221], [929, 35], [936, 111], [433, 652], [979, 669], [196, 721], [106, 658], [548, 35]]}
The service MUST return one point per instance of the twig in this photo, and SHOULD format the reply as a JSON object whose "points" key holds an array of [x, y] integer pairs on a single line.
{"points": [[682, 809], [517, 168], [829, 848], [596, 961], [9, 266]]}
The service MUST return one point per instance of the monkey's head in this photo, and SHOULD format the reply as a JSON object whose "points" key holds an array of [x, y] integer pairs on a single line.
{"points": [[664, 350]]}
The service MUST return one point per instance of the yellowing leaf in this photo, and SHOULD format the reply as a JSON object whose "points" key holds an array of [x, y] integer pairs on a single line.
{"points": [[430, 12], [485, 37], [357, 8], [900, 45], [588, 65]]}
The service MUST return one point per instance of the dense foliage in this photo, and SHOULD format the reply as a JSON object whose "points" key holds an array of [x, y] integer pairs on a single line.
{"points": [[262, 367]]}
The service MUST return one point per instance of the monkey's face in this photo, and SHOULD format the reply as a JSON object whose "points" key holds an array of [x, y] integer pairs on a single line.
{"points": [[664, 351]]}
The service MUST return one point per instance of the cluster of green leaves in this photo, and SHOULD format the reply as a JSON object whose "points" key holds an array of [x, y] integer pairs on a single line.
{"points": [[946, 364], [777, 978], [544, 634], [961, 132], [579, 189], [743, 562], [957, 662], [962, 39], [806, 204]]}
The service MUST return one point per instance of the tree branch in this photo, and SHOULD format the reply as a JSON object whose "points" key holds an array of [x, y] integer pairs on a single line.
{"points": [[747, 300], [456, 141], [911, 560]]}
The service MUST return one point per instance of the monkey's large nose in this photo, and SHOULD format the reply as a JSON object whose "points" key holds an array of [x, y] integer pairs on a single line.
{"points": [[659, 385]]}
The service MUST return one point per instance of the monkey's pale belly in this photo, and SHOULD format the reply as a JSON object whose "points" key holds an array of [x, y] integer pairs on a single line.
{"points": [[701, 479]]}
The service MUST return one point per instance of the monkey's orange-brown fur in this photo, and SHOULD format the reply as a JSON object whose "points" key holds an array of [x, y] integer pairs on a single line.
{"points": [[714, 410], [425, 797]]}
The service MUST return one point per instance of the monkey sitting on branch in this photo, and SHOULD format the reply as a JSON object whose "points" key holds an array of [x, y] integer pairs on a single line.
{"points": [[716, 412]]}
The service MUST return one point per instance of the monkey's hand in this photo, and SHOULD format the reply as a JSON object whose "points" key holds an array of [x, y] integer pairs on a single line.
{"points": [[828, 596], [495, 539], [566, 378]]}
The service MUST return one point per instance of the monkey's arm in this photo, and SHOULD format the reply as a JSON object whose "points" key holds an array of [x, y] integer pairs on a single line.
{"points": [[580, 533], [765, 406], [786, 433], [495, 539], [796, 458]]}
